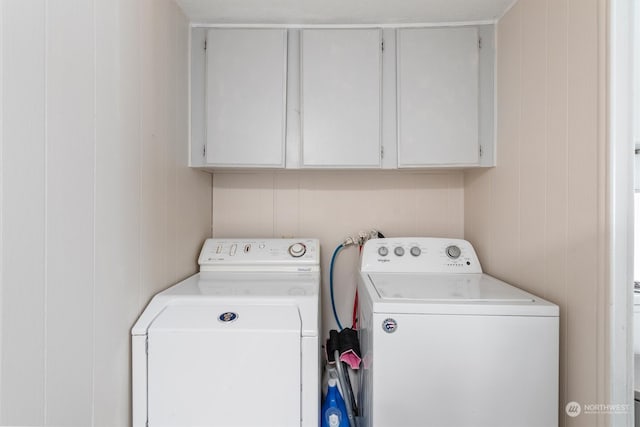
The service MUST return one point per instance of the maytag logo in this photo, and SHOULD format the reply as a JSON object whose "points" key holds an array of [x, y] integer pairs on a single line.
{"points": [[383, 260], [228, 316]]}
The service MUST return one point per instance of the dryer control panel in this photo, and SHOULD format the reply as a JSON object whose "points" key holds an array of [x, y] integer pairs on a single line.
{"points": [[420, 255], [258, 254]]}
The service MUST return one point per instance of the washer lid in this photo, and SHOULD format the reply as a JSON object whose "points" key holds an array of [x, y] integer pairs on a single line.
{"points": [[446, 288], [453, 294]]}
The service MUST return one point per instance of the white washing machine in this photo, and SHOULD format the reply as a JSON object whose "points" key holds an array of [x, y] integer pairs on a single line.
{"points": [[445, 345], [236, 344]]}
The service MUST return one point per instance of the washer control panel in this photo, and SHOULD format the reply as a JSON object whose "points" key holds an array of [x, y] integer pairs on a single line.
{"points": [[420, 255], [219, 254]]}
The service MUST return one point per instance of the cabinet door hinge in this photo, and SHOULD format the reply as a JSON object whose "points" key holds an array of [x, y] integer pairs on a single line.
{"points": [[479, 42], [481, 151], [204, 151], [205, 44], [382, 45], [382, 152]]}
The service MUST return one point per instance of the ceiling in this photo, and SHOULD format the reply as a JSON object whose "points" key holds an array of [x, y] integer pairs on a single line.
{"points": [[342, 11]]}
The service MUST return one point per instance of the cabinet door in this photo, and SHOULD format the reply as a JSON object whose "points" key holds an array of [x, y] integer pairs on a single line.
{"points": [[340, 92], [437, 96], [246, 97]]}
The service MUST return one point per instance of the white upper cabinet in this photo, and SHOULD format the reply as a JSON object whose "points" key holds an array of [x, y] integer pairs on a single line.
{"points": [[438, 96], [246, 97], [340, 86], [343, 98]]}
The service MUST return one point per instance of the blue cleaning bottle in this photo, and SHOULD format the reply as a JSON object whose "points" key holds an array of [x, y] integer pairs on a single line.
{"points": [[334, 411]]}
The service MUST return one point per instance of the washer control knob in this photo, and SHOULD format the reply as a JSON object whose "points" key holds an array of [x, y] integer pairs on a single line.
{"points": [[415, 251], [399, 251], [297, 250], [453, 252], [383, 251]]}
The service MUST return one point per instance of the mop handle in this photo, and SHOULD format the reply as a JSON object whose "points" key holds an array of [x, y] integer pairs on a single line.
{"points": [[345, 388]]}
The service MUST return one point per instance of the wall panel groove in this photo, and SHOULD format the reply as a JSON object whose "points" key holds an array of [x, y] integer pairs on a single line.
{"points": [[2, 26]]}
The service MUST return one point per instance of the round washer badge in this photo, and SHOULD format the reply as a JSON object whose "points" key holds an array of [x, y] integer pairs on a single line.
{"points": [[229, 316], [389, 325]]}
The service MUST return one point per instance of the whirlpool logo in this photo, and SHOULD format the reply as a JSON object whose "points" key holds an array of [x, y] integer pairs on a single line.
{"points": [[389, 325]]}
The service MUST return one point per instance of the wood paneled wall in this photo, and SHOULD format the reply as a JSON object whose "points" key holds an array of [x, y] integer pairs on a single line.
{"points": [[98, 210], [538, 218]]}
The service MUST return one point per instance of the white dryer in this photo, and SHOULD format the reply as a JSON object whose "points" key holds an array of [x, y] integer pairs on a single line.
{"points": [[445, 345], [236, 344]]}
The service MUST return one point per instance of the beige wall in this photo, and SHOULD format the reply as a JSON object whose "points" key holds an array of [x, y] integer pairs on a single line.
{"points": [[537, 220], [98, 210], [331, 205]]}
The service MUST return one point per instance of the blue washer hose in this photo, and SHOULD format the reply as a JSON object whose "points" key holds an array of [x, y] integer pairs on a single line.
{"points": [[333, 303]]}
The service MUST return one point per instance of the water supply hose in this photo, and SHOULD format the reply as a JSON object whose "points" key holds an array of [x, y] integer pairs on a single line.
{"points": [[333, 302]]}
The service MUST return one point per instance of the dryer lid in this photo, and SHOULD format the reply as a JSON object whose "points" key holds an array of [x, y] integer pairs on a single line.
{"points": [[256, 284], [227, 318], [297, 289]]}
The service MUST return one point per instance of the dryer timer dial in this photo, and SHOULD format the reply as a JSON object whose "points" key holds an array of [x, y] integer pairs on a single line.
{"points": [[297, 250]]}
